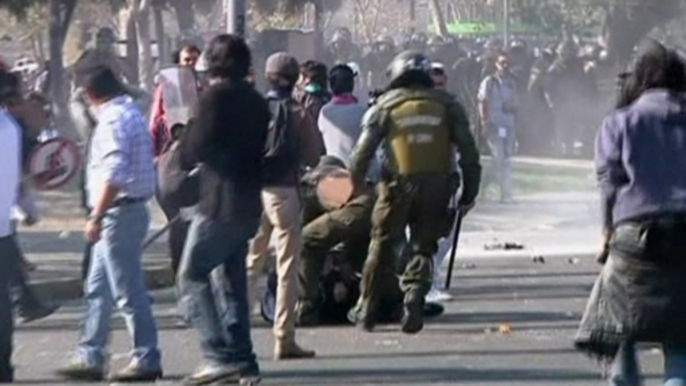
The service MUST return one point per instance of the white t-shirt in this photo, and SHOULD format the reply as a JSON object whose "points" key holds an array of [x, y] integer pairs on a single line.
{"points": [[10, 148]]}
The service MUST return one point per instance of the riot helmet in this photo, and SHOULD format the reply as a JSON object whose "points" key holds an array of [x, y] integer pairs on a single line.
{"points": [[568, 49], [105, 38], [409, 63]]}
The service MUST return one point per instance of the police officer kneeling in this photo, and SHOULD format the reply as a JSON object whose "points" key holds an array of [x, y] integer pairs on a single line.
{"points": [[419, 128]]}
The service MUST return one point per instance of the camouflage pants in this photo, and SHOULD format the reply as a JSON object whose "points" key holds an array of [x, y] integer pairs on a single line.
{"points": [[350, 225], [420, 202]]}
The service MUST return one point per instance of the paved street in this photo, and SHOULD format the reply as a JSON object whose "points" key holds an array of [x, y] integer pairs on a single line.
{"points": [[541, 303], [555, 217]]}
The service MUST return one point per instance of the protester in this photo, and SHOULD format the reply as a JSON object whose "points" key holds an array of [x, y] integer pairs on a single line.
{"points": [[121, 179], [641, 167], [340, 119], [437, 294], [292, 143], [311, 91], [10, 148], [160, 132], [159, 127], [418, 180], [31, 119], [439, 76], [228, 139], [498, 103]]}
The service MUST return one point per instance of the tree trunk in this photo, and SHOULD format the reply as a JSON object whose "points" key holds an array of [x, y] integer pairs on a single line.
{"points": [[144, 46], [317, 27], [439, 20], [129, 29], [61, 12], [163, 55], [626, 24], [185, 14]]}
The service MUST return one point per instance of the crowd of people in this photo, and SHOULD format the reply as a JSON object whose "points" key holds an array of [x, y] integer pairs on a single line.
{"points": [[555, 79], [358, 198]]}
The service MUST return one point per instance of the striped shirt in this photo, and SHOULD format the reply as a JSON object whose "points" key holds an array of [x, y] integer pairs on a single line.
{"points": [[120, 152]]}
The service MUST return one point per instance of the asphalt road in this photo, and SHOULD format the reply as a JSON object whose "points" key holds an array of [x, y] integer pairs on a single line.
{"points": [[541, 304]]}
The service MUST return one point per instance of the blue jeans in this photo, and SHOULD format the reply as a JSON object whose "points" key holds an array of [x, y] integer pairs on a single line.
{"points": [[224, 323], [7, 261], [626, 370], [116, 275]]}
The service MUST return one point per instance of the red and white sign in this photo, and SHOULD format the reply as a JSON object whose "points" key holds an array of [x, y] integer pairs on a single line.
{"points": [[53, 163]]}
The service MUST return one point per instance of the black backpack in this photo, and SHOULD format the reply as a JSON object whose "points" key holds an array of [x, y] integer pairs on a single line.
{"points": [[280, 153], [175, 186]]}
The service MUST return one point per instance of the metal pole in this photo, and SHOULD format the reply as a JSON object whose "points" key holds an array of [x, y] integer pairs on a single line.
{"points": [[235, 17], [506, 23], [413, 16]]}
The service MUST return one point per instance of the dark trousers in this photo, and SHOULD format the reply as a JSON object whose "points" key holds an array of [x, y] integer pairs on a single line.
{"points": [[21, 294], [10, 267], [420, 202], [350, 224]]}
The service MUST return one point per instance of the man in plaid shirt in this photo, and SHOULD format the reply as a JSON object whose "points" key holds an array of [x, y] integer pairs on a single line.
{"points": [[120, 180]]}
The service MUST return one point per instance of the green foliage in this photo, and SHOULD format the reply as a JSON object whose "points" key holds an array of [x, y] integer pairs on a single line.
{"points": [[552, 16], [586, 16]]}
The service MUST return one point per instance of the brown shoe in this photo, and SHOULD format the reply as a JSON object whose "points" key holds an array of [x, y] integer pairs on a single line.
{"points": [[284, 351]]}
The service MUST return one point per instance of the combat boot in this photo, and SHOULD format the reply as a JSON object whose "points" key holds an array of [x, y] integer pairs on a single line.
{"points": [[363, 320], [413, 313]]}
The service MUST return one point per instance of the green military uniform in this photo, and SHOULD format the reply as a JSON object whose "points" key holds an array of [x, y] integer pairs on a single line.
{"points": [[325, 229], [419, 129]]}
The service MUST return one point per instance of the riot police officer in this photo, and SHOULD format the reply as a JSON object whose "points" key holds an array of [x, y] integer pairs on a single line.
{"points": [[420, 128]]}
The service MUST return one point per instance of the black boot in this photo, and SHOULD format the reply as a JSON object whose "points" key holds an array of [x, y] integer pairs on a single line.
{"points": [[413, 317]]}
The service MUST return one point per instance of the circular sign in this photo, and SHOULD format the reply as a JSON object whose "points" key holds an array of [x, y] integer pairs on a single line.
{"points": [[53, 163]]}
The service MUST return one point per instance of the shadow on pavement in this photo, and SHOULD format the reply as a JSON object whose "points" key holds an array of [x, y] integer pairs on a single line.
{"points": [[424, 375]]}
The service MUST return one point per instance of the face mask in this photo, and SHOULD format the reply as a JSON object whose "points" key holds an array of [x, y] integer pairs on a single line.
{"points": [[313, 88]]}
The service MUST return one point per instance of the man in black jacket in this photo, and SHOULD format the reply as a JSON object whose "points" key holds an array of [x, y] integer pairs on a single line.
{"points": [[227, 141]]}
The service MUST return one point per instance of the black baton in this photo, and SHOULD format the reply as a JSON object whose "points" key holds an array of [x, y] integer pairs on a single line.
{"points": [[453, 250], [160, 232]]}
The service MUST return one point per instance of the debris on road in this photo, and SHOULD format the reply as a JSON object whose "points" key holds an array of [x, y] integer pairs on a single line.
{"points": [[538, 260], [508, 246], [574, 261], [468, 266], [505, 329]]}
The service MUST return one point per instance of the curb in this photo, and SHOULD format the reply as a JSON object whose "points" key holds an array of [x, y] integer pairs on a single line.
{"points": [[72, 288]]}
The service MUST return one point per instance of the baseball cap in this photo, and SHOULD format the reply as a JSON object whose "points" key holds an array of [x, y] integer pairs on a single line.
{"points": [[282, 63]]}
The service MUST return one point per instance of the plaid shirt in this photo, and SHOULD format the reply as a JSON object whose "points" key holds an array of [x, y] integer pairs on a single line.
{"points": [[120, 152]]}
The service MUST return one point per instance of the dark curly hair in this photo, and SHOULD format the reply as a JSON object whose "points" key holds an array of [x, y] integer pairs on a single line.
{"points": [[229, 57]]}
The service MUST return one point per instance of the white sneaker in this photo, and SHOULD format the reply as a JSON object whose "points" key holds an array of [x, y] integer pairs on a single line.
{"points": [[438, 296]]}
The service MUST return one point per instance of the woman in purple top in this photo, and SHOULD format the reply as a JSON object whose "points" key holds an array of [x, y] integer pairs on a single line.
{"points": [[640, 295]]}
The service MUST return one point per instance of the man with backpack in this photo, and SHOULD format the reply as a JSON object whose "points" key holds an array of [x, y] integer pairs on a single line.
{"points": [[292, 143]]}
